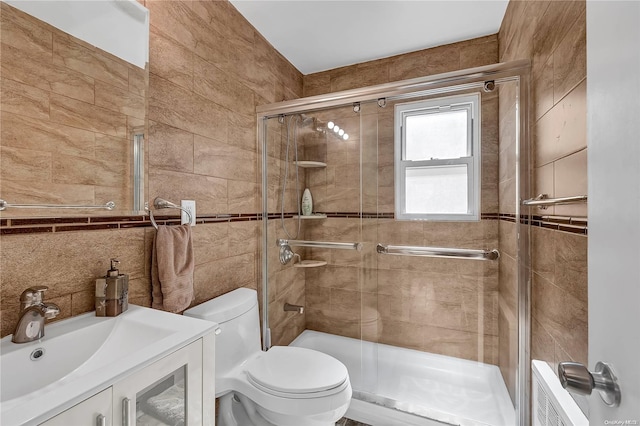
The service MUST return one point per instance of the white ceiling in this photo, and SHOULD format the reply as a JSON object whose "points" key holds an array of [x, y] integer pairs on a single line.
{"points": [[317, 35]]}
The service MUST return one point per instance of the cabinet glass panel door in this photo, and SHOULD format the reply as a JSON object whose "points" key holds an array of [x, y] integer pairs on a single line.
{"points": [[163, 402], [168, 392]]}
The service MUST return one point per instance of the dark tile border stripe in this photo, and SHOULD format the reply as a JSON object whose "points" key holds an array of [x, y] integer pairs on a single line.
{"points": [[10, 226]]}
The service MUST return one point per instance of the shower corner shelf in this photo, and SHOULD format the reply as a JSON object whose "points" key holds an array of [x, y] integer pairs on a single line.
{"points": [[310, 264], [310, 164], [311, 216]]}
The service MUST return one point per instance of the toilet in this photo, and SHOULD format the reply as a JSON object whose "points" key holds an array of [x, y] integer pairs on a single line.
{"points": [[284, 386]]}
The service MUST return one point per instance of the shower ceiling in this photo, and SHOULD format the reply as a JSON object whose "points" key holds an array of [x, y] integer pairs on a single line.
{"points": [[317, 35]]}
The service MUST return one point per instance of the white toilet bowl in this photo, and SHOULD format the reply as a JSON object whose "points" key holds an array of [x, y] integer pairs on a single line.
{"points": [[285, 386]]}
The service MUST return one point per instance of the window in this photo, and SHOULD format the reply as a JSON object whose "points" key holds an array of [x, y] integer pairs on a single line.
{"points": [[437, 159]]}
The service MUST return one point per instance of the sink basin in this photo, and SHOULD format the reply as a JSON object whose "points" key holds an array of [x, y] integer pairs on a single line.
{"points": [[79, 355]]}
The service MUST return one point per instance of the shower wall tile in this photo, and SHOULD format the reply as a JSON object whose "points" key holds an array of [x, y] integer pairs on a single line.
{"points": [[562, 130], [476, 54], [570, 178], [570, 59], [552, 36], [407, 295], [436, 60]]}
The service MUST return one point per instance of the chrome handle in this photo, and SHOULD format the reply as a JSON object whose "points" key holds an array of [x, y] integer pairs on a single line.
{"points": [[101, 420], [576, 378], [126, 407], [288, 307], [32, 296]]}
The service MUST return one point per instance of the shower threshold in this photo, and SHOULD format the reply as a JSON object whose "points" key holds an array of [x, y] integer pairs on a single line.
{"points": [[398, 386]]}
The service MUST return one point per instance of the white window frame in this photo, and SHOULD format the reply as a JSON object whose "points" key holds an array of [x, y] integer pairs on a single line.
{"points": [[470, 102]]}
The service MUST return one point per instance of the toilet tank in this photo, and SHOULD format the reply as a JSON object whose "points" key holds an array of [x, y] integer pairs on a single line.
{"points": [[236, 313]]}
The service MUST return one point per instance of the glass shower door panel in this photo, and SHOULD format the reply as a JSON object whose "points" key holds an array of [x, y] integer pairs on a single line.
{"points": [[368, 282]]}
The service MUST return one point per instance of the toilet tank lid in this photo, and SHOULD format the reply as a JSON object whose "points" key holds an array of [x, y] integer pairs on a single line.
{"points": [[226, 307]]}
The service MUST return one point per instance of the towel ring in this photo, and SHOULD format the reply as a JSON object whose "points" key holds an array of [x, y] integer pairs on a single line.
{"points": [[161, 203]]}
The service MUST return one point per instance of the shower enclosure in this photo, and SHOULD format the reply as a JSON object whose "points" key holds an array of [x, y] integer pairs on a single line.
{"points": [[412, 267]]}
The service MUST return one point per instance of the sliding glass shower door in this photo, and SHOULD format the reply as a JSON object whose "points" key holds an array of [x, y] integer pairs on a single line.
{"points": [[411, 266]]}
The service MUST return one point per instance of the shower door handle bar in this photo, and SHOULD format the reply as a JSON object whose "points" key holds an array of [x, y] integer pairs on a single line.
{"points": [[454, 253], [543, 200], [319, 244]]}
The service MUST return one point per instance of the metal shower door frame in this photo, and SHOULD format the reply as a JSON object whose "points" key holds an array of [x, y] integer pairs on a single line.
{"points": [[434, 84]]}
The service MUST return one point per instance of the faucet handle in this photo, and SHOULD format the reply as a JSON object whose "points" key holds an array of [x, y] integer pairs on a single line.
{"points": [[33, 295]]}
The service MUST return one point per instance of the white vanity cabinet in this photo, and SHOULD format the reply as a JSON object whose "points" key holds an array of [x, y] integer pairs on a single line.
{"points": [[162, 393], [92, 411], [168, 392]]}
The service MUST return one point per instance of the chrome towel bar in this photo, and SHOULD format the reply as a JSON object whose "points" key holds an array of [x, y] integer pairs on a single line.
{"points": [[108, 206], [319, 244], [543, 200], [438, 252]]}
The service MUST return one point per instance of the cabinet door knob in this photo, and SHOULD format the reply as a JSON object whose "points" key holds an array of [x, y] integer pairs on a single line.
{"points": [[126, 407], [101, 420], [576, 378]]}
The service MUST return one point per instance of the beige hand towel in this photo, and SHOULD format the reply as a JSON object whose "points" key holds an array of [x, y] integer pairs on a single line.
{"points": [[172, 268]]}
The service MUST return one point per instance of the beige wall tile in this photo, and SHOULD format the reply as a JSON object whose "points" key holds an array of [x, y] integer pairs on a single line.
{"points": [[571, 264], [171, 148], [211, 242], [43, 75], [221, 88], [479, 54], [217, 277], [116, 150], [70, 112], [213, 158], [173, 105], [20, 131], [544, 252], [366, 74], [243, 197], [244, 237], [86, 257], [25, 33], [119, 100], [47, 193], [562, 315], [570, 59], [562, 131], [89, 62], [25, 165], [21, 99], [170, 60], [210, 193], [543, 87], [172, 19], [570, 178], [139, 80]]}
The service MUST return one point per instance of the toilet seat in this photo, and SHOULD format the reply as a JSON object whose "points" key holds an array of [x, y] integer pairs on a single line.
{"points": [[293, 372]]}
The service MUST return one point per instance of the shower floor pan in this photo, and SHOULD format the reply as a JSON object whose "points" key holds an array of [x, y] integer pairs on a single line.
{"points": [[398, 386]]}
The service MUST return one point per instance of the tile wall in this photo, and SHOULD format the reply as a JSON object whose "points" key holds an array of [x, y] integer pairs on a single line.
{"points": [[68, 113], [552, 34], [208, 69]]}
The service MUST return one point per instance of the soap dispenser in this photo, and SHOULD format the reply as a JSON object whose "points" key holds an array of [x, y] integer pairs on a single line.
{"points": [[112, 292]]}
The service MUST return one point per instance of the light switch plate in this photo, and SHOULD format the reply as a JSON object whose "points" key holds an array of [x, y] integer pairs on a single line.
{"points": [[191, 206]]}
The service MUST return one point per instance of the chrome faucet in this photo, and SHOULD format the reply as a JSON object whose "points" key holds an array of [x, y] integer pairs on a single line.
{"points": [[33, 312]]}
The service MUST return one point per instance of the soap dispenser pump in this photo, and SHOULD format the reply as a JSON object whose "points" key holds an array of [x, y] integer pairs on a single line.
{"points": [[112, 292]]}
